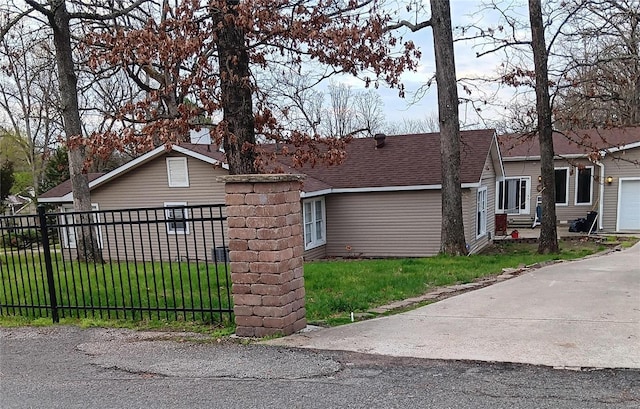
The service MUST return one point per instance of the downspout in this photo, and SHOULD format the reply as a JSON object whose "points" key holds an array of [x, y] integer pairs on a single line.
{"points": [[601, 195]]}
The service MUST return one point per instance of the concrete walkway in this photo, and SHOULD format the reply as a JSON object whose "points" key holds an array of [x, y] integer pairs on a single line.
{"points": [[581, 314]]}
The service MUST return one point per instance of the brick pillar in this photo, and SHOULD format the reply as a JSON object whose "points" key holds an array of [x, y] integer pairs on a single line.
{"points": [[265, 252]]}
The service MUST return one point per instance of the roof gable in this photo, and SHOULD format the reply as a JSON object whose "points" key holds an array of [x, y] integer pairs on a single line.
{"points": [[206, 153]]}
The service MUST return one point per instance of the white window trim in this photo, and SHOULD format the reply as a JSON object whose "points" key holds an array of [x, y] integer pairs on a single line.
{"points": [[185, 215], [482, 222], [66, 236], [177, 162], [575, 200], [566, 194], [527, 209], [314, 241]]}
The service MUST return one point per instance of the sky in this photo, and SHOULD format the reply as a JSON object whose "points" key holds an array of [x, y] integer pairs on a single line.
{"points": [[464, 12]]}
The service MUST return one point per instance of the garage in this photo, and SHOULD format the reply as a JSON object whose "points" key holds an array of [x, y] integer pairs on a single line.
{"points": [[629, 204]]}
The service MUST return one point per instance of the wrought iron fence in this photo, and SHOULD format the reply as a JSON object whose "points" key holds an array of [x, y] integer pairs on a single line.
{"points": [[165, 263]]}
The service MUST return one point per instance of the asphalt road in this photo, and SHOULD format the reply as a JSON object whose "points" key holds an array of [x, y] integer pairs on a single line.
{"points": [[67, 367]]}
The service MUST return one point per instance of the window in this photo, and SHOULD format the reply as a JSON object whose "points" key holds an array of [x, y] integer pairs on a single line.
{"points": [[562, 186], [584, 185], [514, 195], [69, 239], [481, 220], [176, 216], [177, 172], [314, 223]]}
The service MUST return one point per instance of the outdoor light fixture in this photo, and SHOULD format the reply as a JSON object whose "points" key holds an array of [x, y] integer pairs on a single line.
{"points": [[539, 178], [609, 180]]}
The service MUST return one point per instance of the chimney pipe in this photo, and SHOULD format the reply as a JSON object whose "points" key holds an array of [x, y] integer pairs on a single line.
{"points": [[379, 138]]}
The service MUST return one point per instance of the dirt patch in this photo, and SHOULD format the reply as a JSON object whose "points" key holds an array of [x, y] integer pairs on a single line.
{"points": [[577, 244]]}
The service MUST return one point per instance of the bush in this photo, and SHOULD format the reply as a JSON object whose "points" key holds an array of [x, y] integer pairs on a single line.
{"points": [[21, 239]]}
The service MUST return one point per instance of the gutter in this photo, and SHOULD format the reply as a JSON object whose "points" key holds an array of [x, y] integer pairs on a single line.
{"points": [[382, 189], [601, 195]]}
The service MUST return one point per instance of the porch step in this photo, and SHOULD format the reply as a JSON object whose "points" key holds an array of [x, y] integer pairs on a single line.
{"points": [[519, 224]]}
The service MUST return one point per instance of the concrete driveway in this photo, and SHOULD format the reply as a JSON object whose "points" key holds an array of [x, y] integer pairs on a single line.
{"points": [[581, 314]]}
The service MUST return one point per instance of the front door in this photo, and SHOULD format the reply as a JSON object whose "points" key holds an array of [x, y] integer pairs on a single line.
{"points": [[514, 195]]}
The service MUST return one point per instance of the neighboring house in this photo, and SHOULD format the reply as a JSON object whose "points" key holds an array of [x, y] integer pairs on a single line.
{"points": [[16, 204], [384, 200], [595, 171]]}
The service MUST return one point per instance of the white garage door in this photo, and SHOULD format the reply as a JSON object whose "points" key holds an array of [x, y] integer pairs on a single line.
{"points": [[629, 205]]}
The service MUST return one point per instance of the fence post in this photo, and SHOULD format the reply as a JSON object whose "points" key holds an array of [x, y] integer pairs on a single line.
{"points": [[44, 234], [266, 252]]}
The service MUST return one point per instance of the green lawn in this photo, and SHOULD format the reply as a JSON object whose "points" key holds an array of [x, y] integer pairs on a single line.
{"points": [[119, 291], [334, 289]]}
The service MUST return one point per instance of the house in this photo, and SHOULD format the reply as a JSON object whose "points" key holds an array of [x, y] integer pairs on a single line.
{"points": [[16, 204], [384, 200], [183, 176], [595, 171]]}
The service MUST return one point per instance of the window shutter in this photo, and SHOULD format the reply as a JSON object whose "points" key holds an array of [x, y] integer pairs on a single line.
{"points": [[177, 172]]}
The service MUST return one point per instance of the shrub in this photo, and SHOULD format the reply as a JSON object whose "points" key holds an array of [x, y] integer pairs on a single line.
{"points": [[21, 239]]}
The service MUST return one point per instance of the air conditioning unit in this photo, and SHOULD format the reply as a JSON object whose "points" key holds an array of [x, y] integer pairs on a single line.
{"points": [[220, 254]]}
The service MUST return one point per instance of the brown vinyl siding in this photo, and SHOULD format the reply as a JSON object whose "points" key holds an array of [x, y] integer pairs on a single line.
{"points": [[470, 204], [316, 253], [524, 168], [564, 213], [618, 165], [383, 224], [469, 215], [147, 186]]}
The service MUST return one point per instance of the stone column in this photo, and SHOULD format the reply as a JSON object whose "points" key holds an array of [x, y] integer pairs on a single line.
{"points": [[265, 251]]}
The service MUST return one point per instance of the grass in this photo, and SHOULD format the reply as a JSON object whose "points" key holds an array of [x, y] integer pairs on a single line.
{"points": [[334, 289], [122, 291]]}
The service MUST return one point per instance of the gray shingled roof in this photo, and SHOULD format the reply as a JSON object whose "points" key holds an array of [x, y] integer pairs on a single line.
{"points": [[579, 142], [404, 160], [65, 187]]}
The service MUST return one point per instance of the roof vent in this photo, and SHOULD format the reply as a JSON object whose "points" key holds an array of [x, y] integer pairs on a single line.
{"points": [[379, 138]]}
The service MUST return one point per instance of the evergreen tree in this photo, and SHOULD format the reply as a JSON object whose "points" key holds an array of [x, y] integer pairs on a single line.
{"points": [[56, 170]]}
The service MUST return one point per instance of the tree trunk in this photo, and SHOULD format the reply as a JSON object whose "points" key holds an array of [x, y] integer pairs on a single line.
{"points": [[235, 84], [452, 234], [548, 242], [87, 244]]}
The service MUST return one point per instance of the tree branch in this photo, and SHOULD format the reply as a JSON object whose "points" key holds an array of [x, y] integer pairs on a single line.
{"points": [[505, 45], [409, 25], [5, 29], [102, 17]]}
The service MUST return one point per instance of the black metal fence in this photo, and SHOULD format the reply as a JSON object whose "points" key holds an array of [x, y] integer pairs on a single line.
{"points": [[166, 263]]}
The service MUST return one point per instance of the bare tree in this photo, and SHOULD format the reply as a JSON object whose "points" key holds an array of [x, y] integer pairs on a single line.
{"points": [[28, 96], [57, 18], [453, 240], [601, 83], [548, 242], [350, 112], [426, 124], [368, 107]]}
